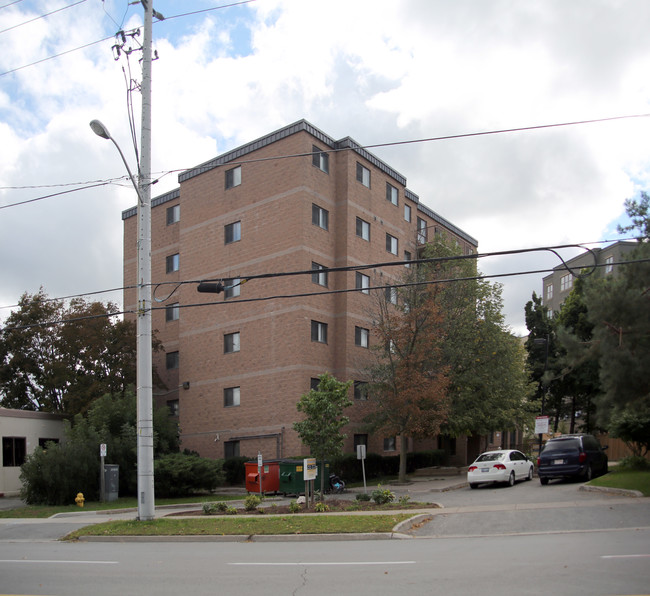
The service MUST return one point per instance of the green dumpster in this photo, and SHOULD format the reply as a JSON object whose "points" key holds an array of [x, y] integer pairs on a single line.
{"points": [[292, 478]]}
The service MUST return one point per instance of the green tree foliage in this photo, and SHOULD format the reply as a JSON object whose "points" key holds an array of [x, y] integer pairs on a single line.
{"points": [[55, 475], [323, 419], [638, 210], [619, 309], [632, 426], [55, 367]]}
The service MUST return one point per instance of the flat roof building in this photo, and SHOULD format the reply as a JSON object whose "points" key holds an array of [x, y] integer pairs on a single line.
{"points": [[236, 363]]}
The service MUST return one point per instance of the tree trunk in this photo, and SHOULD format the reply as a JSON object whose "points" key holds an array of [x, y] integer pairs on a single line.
{"points": [[403, 445]]}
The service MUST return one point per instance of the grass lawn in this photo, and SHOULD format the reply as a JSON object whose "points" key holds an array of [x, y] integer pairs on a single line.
{"points": [[634, 480], [44, 511], [246, 526]]}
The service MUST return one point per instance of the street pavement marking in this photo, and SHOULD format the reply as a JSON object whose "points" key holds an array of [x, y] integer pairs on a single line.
{"points": [[57, 562], [623, 556], [302, 564]]}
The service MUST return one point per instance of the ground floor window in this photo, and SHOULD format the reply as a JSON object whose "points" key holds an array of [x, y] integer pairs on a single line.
{"points": [[389, 444], [231, 449], [14, 450]]}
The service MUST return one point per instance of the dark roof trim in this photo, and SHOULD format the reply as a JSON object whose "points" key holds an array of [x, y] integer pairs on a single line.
{"points": [[283, 133], [168, 196]]}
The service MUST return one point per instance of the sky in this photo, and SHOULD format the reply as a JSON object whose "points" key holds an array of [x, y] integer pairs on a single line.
{"points": [[379, 71]]}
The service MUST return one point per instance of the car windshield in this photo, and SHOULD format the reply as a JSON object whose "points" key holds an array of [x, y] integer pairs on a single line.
{"points": [[490, 457], [562, 445]]}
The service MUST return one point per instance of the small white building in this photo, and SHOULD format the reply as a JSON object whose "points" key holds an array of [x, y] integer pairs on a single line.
{"points": [[21, 432]]}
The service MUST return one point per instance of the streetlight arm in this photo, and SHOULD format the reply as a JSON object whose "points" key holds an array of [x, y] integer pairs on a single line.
{"points": [[101, 131]]}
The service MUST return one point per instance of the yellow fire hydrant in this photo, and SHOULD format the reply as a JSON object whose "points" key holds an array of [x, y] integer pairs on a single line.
{"points": [[80, 499]]}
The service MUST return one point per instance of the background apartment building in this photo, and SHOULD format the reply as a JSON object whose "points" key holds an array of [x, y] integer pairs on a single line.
{"points": [[236, 363], [558, 285]]}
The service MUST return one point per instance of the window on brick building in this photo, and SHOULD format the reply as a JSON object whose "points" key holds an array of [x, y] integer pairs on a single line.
{"points": [[362, 283], [173, 214], [314, 382], [361, 337], [389, 444], [319, 332], [360, 439], [391, 295], [360, 390], [172, 360], [230, 397], [407, 212], [363, 175], [392, 194], [172, 312], [422, 231], [231, 342], [232, 232], [320, 274], [230, 449], [320, 159], [14, 450], [232, 288], [173, 407], [391, 244], [319, 217], [233, 177], [363, 229], [407, 257], [173, 263]]}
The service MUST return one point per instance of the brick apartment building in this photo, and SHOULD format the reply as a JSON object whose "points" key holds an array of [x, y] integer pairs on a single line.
{"points": [[236, 363]]}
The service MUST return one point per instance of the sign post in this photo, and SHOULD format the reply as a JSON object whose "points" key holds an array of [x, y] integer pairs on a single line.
{"points": [[102, 475], [310, 474], [541, 428], [259, 469], [361, 454]]}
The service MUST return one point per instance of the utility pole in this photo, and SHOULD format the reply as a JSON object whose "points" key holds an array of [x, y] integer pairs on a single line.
{"points": [[146, 505]]}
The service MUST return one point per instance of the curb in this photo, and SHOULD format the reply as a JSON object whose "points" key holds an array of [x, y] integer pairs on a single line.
{"points": [[612, 491]]}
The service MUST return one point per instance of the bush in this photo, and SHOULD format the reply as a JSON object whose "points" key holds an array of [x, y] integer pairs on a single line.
{"points": [[294, 507], [633, 463], [362, 497], [382, 495], [235, 470], [209, 508], [349, 468], [178, 474], [252, 502]]}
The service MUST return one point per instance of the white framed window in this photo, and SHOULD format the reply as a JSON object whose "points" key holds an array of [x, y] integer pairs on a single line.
{"points": [[407, 257], [172, 312], [363, 175], [391, 295], [319, 332], [320, 159], [362, 282], [363, 229], [320, 274], [231, 397], [172, 263], [231, 342], [566, 282], [233, 177], [391, 244], [549, 292], [392, 194], [609, 264], [407, 212], [319, 216], [173, 214], [361, 337], [232, 232], [232, 289], [422, 231]]}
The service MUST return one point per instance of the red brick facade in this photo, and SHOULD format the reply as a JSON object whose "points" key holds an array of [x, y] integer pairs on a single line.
{"points": [[273, 200]]}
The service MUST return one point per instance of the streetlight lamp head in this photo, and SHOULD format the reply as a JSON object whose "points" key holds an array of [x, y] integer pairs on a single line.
{"points": [[99, 129]]}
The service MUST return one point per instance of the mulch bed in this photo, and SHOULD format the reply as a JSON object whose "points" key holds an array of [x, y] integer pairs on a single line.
{"points": [[334, 505]]}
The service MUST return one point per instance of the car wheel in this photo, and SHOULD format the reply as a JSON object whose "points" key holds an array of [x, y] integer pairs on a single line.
{"points": [[473, 485], [511, 479], [589, 474], [543, 481], [530, 473]]}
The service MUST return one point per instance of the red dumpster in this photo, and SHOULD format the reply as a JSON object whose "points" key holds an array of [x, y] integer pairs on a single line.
{"points": [[270, 477]]}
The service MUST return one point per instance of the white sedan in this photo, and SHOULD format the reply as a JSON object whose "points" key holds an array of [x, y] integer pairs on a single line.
{"points": [[508, 465]]}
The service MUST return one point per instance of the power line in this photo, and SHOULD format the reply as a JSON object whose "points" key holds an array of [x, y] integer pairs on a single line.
{"points": [[10, 4], [56, 194], [42, 16]]}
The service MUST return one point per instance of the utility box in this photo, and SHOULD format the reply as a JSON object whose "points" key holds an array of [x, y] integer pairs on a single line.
{"points": [[292, 476], [270, 477], [111, 481]]}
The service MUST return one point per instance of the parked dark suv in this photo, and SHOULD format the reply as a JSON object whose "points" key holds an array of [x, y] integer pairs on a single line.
{"points": [[571, 456]]}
